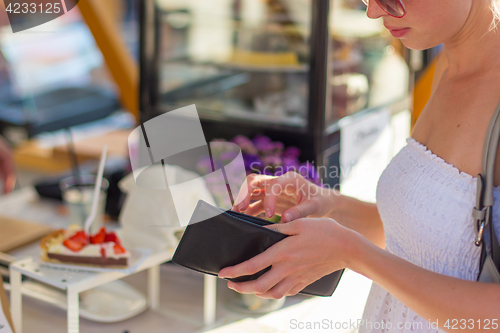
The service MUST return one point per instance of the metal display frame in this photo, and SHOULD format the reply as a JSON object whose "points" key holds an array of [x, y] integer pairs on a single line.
{"points": [[309, 139]]}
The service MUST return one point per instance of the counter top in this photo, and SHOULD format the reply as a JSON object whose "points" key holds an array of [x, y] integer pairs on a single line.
{"points": [[181, 293]]}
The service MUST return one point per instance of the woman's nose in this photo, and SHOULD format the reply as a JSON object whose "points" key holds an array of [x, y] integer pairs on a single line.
{"points": [[373, 10]]}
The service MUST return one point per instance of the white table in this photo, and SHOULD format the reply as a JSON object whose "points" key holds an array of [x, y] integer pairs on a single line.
{"points": [[75, 282]]}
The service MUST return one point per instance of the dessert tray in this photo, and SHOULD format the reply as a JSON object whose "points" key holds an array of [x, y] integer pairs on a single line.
{"points": [[74, 249], [137, 257]]}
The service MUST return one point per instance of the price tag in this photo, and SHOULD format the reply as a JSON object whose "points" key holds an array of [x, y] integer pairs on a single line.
{"points": [[365, 151]]}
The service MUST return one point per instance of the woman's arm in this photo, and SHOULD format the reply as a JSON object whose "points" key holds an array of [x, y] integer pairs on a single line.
{"points": [[469, 305], [317, 247], [360, 216]]}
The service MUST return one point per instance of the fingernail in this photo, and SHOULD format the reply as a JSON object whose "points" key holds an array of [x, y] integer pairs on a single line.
{"points": [[240, 207], [288, 217], [268, 213]]}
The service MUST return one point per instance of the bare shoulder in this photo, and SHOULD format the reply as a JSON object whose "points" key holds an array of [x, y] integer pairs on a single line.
{"points": [[454, 123]]}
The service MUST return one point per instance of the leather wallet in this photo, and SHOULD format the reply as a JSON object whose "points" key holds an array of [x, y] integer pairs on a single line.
{"points": [[227, 238]]}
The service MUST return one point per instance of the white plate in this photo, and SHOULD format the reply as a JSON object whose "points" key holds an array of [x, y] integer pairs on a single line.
{"points": [[109, 303], [137, 257], [112, 302]]}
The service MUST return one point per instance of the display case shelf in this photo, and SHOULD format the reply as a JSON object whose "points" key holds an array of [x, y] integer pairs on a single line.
{"points": [[288, 69]]}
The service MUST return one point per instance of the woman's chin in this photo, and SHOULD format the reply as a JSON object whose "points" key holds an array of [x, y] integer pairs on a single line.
{"points": [[417, 45]]}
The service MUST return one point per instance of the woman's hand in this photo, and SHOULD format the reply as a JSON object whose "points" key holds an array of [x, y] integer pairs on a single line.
{"points": [[314, 248], [291, 196], [7, 173]]}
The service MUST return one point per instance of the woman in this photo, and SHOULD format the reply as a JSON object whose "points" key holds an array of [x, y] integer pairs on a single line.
{"points": [[427, 272]]}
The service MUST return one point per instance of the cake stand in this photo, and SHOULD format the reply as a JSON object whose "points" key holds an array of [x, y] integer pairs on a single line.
{"points": [[75, 282]]}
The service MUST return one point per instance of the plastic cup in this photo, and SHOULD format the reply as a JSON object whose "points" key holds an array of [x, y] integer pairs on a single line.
{"points": [[77, 197]]}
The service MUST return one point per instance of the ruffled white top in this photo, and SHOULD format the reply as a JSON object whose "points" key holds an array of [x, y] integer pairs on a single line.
{"points": [[425, 205]]}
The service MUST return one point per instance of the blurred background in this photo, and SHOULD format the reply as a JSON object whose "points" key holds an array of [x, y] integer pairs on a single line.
{"points": [[296, 71], [315, 79]]}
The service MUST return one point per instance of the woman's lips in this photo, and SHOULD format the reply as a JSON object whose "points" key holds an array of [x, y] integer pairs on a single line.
{"points": [[398, 32]]}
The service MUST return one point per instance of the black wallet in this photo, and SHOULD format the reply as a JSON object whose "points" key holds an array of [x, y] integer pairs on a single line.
{"points": [[227, 238]]}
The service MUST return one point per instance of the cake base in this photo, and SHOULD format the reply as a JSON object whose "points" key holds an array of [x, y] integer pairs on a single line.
{"points": [[93, 261]]}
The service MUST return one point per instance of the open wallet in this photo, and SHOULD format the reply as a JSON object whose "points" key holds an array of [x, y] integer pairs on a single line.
{"points": [[215, 238]]}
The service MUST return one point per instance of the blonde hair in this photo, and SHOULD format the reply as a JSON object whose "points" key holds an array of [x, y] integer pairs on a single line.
{"points": [[495, 8]]}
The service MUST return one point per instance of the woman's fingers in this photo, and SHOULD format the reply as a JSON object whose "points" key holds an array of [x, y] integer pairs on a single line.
{"points": [[249, 267], [279, 290], [286, 184], [259, 286], [272, 255], [7, 171], [243, 198], [270, 285], [283, 203], [276, 193], [283, 288], [257, 194], [295, 262], [253, 183], [255, 208], [292, 228], [274, 284], [303, 209], [297, 289], [7, 176]]}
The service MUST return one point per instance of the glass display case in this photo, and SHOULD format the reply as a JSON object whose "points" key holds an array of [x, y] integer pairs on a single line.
{"points": [[369, 69], [236, 60], [288, 69]]}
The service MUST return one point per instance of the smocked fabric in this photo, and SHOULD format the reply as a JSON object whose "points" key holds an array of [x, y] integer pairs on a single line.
{"points": [[425, 205]]}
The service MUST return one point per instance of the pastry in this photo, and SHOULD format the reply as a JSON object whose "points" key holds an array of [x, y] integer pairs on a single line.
{"points": [[74, 246]]}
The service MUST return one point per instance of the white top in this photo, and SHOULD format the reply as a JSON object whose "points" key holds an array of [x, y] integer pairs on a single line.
{"points": [[425, 205]]}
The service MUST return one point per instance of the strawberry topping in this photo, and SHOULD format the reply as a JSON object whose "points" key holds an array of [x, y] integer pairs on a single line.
{"points": [[112, 237], [99, 237], [73, 245], [119, 249], [80, 237]]}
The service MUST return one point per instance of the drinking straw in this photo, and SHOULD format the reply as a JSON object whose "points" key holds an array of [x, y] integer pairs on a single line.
{"points": [[97, 190]]}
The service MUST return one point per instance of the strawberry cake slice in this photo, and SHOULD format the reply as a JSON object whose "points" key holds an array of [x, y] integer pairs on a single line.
{"points": [[74, 246]]}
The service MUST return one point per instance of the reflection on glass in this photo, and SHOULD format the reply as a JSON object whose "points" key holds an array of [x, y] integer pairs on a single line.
{"points": [[237, 59], [368, 67], [52, 76], [249, 59]]}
